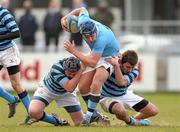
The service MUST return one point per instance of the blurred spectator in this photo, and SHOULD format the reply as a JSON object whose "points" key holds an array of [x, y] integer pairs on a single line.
{"points": [[28, 27], [51, 24], [77, 36], [103, 13]]}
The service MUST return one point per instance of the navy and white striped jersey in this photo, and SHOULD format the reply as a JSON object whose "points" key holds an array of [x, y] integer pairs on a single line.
{"points": [[7, 25], [110, 87], [56, 78]]}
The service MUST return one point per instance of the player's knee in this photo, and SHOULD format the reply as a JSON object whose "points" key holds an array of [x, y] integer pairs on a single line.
{"points": [[118, 109], [34, 113], [154, 111], [78, 122]]}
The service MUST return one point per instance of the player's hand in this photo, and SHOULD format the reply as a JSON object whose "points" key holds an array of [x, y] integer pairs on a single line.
{"points": [[120, 56], [70, 47], [113, 61], [83, 67], [64, 24]]}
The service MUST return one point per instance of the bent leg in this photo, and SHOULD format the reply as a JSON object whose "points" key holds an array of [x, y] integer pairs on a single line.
{"points": [[85, 82], [112, 106], [36, 112], [99, 78], [77, 117], [120, 112], [13, 101], [36, 109], [7, 96], [84, 85], [148, 111], [23, 95]]}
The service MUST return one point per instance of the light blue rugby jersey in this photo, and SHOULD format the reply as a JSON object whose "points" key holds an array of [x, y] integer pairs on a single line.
{"points": [[111, 89], [105, 44], [7, 25], [56, 78]]}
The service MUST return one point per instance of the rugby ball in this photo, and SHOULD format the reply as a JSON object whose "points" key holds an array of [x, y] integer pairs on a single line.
{"points": [[72, 24]]}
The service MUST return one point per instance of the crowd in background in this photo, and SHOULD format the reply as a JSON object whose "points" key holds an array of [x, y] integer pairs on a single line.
{"points": [[52, 31]]}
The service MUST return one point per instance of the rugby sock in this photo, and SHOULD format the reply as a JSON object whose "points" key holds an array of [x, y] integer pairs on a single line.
{"points": [[25, 99], [92, 103], [86, 98], [131, 122], [49, 118], [7, 96]]}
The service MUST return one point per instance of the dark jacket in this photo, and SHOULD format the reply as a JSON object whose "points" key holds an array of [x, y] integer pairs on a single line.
{"points": [[52, 23], [28, 27]]}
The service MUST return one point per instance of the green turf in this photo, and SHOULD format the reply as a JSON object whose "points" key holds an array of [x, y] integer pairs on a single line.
{"points": [[168, 120]]}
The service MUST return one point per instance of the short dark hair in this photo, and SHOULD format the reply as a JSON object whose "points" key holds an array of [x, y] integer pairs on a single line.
{"points": [[71, 64], [130, 56]]}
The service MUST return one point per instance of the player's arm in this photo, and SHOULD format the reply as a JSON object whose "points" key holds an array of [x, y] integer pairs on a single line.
{"points": [[90, 60], [10, 23], [120, 79], [71, 84], [9, 36], [75, 12]]}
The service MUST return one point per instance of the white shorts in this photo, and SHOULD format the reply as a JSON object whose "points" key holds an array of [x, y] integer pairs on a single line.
{"points": [[10, 57], [67, 99], [100, 63], [128, 101]]}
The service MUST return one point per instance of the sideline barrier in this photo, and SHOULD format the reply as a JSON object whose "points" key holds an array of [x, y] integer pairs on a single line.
{"points": [[35, 66], [173, 73]]}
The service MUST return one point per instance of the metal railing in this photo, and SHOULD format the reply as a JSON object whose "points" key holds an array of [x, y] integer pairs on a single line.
{"points": [[151, 35], [151, 27]]}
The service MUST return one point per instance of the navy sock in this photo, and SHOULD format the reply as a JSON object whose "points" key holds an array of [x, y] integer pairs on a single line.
{"points": [[92, 103], [25, 99], [86, 98]]}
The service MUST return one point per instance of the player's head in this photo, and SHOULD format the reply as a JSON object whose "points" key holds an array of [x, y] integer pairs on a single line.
{"points": [[88, 30], [71, 66], [129, 61], [5, 3]]}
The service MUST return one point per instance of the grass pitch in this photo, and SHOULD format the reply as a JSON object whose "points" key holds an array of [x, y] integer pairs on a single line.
{"points": [[168, 119]]}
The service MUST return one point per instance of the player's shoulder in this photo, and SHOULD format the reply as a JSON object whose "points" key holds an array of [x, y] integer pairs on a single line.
{"points": [[2, 10], [58, 65]]}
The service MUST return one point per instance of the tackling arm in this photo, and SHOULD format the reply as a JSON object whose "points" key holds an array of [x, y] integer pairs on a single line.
{"points": [[120, 79], [90, 60], [76, 12], [72, 84]]}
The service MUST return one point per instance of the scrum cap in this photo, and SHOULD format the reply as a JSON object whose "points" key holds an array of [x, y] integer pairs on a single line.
{"points": [[71, 64], [88, 28]]}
